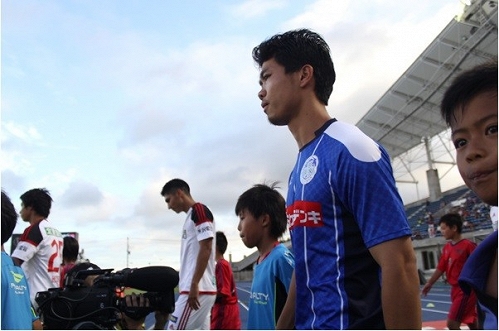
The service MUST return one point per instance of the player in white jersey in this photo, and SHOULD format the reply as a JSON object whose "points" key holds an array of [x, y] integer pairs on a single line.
{"points": [[39, 251], [197, 285]]}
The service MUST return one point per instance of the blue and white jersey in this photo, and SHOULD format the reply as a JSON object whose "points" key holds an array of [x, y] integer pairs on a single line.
{"points": [[474, 277], [270, 288], [342, 200]]}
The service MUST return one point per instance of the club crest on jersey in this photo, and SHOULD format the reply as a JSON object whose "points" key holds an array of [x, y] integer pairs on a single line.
{"points": [[304, 213], [309, 169]]}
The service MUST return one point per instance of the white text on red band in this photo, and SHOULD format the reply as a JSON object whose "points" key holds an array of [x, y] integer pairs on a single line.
{"points": [[304, 213]]}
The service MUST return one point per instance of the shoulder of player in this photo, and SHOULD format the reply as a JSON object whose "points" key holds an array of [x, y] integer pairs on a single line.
{"points": [[201, 212], [47, 229], [356, 142], [281, 253]]}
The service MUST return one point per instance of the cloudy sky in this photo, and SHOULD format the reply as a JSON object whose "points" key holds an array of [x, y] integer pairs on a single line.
{"points": [[103, 102]]}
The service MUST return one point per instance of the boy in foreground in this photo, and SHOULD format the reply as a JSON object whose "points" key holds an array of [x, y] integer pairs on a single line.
{"points": [[469, 107]]}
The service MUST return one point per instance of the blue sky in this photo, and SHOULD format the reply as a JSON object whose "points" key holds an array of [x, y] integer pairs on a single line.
{"points": [[105, 101]]}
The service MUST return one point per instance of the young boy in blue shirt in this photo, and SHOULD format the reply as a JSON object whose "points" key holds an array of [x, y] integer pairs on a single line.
{"points": [[262, 221], [17, 313]]}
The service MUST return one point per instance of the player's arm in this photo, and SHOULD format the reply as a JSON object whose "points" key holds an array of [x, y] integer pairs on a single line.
{"points": [[287, 319], [205, 247], [18, 262], [400, 283], [427, 287], [36, 324], [224, 289]]}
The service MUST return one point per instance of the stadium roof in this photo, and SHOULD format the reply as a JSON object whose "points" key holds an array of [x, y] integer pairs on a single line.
{"points": [[410, 109]]}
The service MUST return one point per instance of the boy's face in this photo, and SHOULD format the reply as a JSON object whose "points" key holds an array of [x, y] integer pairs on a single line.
{"points": [[447, 231], [25, 212], [474, 134], [250, 229]]}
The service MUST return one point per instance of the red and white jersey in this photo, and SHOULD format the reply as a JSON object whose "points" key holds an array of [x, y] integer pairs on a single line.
{"points": [[199, 225], [40, 247]]}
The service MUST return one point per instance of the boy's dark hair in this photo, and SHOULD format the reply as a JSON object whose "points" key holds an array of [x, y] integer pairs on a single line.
{"points": [[293, 50], [174, 185], [9, 217], [221, 242], [452, 219], [262, 199], [70, 248], [466, 86], [39, 199]]}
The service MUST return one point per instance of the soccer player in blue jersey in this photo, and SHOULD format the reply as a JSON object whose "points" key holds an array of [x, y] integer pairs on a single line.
{"points": [[469, 107], [355, 267], [262, 221]]}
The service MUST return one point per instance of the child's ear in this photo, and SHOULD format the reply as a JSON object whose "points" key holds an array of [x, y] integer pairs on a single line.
{"points": [[265, 220]]}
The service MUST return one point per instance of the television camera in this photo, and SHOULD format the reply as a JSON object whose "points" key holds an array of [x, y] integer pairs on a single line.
{"points": [[98, 306]]}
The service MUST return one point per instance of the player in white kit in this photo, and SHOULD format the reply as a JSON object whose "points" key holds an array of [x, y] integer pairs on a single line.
{"points": [[197, 284], [39, 251]]}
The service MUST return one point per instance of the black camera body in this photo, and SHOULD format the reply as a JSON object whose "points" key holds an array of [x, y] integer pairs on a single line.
{"points": [[77, 306]]}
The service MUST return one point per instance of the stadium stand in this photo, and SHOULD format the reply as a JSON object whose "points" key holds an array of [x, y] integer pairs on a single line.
{"points": [[461, 200]]}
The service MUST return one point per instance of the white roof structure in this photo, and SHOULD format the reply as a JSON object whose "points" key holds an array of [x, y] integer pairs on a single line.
{"points": [[409, 112], [410, 109]]}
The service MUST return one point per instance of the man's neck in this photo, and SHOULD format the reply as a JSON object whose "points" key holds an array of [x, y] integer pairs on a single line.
{"points": [[189, 202], [308, 121]]}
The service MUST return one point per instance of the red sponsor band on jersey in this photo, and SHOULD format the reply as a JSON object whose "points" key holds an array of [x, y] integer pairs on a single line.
{"points": [[304, 213]]}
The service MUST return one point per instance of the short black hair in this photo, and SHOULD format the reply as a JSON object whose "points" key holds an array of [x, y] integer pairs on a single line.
{"points": [[70, 248], [39, 199], [263, 199], [175, 184], [296, 48], [452, 219], [9, 217], [466, 86], [221, 242]]}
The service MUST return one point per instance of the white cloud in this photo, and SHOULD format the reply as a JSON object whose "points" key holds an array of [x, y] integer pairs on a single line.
{"points": [[80, 193], [321, 16], [251, 9], [26, 133]]}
